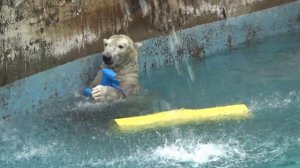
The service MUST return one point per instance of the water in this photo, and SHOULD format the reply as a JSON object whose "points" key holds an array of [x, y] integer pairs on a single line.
{"points": [[75, 132]]}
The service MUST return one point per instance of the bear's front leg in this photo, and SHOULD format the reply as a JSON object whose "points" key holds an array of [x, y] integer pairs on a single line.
{"points": [[105, 94]]}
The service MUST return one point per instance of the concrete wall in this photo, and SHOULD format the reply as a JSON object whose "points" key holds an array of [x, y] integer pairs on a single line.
{"points": [[38, 34]]}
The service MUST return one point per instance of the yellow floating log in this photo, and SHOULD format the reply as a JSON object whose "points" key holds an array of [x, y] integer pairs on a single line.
{"points": [[180, 116]]}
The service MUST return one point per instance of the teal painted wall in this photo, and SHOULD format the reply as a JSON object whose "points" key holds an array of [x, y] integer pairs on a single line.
{"points": [[220, 36]]}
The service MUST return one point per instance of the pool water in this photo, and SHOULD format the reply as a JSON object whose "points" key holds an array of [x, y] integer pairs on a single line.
{"points": [[75, 132]]}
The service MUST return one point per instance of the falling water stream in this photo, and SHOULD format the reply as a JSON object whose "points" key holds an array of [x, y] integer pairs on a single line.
{"points": [[164, 15], [76, 132]]}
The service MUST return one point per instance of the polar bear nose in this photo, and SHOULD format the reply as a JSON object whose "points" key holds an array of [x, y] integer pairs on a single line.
{"points": [[107, 59]]}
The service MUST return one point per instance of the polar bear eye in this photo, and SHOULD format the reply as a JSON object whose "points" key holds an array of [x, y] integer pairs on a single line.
{"points": [[105, 44], [120, 46]]}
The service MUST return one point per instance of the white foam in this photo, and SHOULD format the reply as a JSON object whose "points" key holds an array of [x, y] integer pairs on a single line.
{"points": [[85, 104], [201, 154], [196, 153], [29, 152], [274, 101], [78, 94]]}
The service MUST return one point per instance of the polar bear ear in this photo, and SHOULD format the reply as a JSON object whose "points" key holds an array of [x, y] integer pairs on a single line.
{"points": [[137, 45]]}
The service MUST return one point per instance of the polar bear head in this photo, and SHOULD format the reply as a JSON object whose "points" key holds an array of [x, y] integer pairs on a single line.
{"points": [[119, 51]]}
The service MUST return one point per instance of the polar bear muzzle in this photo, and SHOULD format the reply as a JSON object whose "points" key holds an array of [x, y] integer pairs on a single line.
{"points": [[107, 59]]}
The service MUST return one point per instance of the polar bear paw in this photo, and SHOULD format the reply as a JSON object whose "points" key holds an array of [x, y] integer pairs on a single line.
{"points": [[104, 93]]}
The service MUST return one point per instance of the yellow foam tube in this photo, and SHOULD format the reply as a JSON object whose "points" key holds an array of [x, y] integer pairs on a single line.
{"points": [[180, 116]]}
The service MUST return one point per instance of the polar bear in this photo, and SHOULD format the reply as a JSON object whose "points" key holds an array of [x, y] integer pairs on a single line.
{"points": [[120, 54]]}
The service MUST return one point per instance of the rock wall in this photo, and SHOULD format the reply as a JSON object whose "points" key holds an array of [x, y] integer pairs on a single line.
{"points": [[38, 34]]}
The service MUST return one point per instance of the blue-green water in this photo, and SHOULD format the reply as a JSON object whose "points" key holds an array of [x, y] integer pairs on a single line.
{"points": [[266, 76]]}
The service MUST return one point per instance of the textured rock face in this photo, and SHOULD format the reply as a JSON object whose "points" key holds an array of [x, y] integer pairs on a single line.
{"points": [[38, 34]]}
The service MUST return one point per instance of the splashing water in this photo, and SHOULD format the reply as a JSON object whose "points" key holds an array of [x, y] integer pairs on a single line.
{"points": [[191, 72], [198, 154], [174, 45], [144, 7], [164, 15], [28, 152], [230, 153], [276, 100], [174, 42]]}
